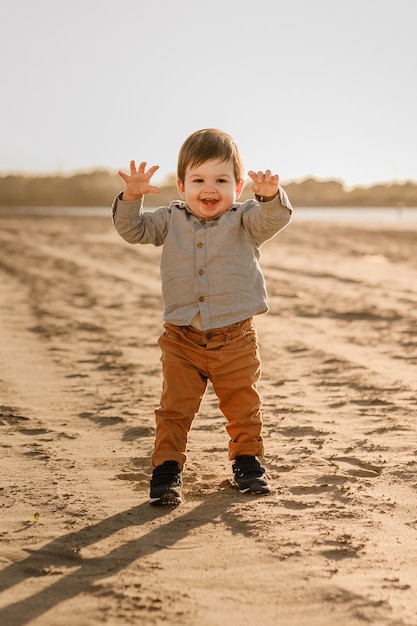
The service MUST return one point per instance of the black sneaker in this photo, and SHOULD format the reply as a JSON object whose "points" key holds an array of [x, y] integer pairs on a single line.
{"points": [[166, 484], [250, 475]]}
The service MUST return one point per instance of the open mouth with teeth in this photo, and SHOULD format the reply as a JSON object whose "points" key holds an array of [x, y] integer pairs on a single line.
{"points": [[209, 201]]}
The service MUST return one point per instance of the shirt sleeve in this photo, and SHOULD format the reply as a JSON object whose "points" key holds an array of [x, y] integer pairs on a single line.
{"points": [[135, 225], [263, 220]]}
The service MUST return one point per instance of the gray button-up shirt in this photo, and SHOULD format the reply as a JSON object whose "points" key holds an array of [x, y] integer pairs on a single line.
{"points": [[208, 266]]}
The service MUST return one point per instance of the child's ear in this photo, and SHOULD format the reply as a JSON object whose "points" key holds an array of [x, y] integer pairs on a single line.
{"points": [[239, 188], [181, 189]]}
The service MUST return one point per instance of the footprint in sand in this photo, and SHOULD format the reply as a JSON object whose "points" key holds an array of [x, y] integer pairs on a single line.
{"points": [[356, 467]]}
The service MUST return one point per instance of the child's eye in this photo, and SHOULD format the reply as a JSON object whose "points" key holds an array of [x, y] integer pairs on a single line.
{"points": [[198, 180], [221, 180]]}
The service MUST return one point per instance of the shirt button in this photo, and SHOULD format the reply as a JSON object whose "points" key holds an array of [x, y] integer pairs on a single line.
{"points": [[200, 244], [201, 299], [200, 272]]}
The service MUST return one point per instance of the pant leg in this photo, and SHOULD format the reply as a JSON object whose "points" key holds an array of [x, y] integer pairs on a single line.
{"points": [[234, 373], [182, 392]]}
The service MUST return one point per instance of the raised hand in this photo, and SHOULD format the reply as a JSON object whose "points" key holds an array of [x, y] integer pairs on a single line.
{"points": [[264, 183], [138, 181]]}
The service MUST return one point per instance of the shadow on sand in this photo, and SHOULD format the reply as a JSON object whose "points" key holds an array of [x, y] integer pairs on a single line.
{"points": [[65, 551]]}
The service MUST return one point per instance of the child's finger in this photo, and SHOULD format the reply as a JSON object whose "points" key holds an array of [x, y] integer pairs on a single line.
{"points": [[151, 171]]}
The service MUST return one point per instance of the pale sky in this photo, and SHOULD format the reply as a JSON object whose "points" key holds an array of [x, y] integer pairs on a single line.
{"points": [[323, 88]]}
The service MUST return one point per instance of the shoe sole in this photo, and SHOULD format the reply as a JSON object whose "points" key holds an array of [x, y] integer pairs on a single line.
{"points": [[256, 488], [167, 499]]}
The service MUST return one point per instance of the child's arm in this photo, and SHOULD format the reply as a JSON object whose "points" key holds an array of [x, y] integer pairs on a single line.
{"points": [[264, 184], [137, 183], [273, 210]]}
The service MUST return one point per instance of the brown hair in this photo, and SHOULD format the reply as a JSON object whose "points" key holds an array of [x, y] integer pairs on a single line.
{"points": [[206, 145]]}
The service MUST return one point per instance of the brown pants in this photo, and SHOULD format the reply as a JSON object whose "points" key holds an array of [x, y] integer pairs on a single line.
{"points": [[229, 358]]}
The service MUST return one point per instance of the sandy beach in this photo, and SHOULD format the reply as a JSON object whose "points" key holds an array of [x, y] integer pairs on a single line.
{"points": [[336, 541]]}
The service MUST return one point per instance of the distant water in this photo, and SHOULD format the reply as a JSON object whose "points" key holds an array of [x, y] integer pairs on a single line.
{"points": [[403, 215], [385, 215]]}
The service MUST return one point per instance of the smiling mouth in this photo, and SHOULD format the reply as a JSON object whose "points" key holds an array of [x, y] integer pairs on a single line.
{"points": [[209, 201]]}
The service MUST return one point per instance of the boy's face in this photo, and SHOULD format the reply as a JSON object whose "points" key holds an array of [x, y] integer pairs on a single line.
{"points": [[210, 189]]}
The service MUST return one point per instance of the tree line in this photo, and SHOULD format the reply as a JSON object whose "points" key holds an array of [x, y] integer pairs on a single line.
{"points": [[98, 188]]}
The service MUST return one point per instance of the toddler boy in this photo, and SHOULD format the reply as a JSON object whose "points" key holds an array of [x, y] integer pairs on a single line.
{"points": [[212, 286]]}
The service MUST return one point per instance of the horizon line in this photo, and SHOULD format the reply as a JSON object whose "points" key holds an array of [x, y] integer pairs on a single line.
{"points": [[163, 181]]}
